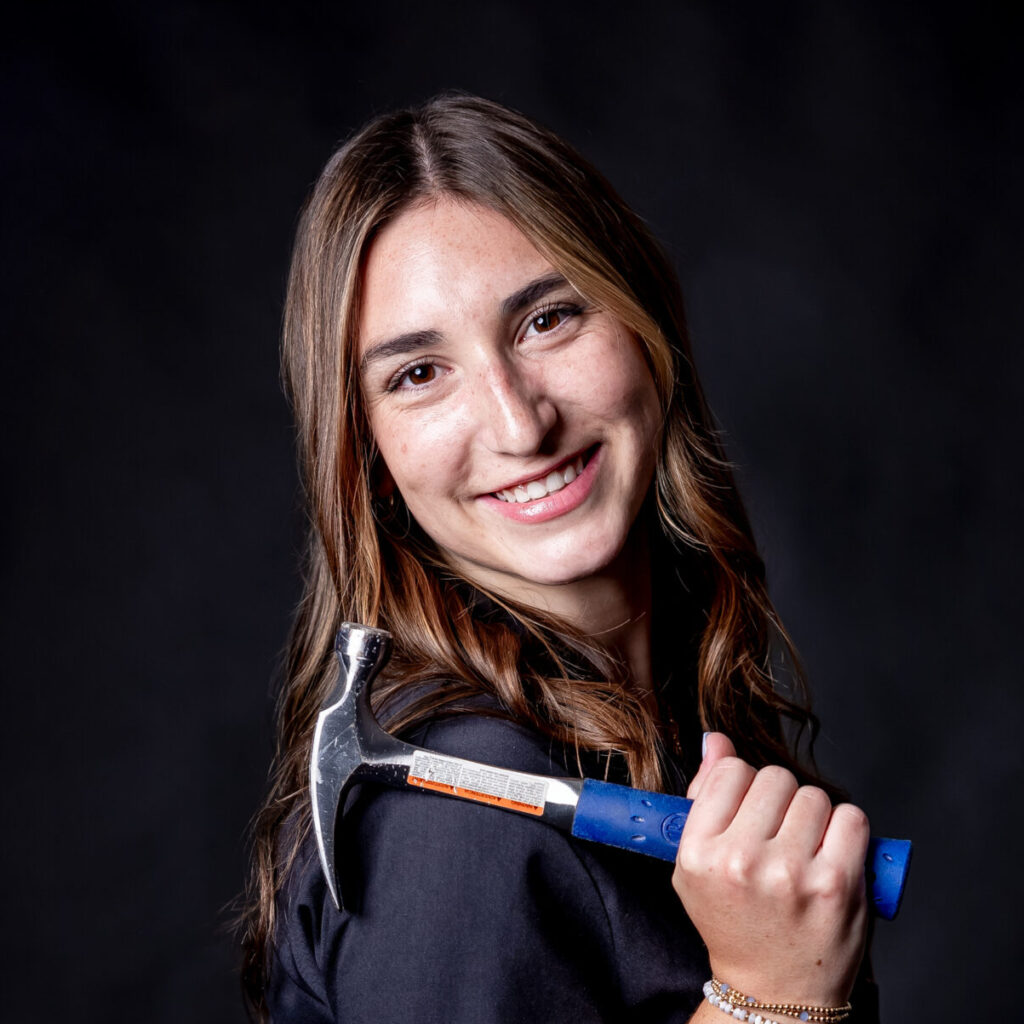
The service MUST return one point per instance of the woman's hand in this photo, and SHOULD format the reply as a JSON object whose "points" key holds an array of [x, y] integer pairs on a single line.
{"points": [[772, 877]]}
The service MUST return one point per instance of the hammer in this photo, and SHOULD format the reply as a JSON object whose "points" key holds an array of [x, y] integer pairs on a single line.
{"points": [[349, 746]]}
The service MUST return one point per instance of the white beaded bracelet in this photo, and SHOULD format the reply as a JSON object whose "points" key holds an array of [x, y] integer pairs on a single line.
{"points": [[739, 1012], [746, 1008]]}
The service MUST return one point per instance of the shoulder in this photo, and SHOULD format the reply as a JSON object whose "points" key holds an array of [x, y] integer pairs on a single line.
{"points": [[447, 903], [436, 848], [461, 912]]}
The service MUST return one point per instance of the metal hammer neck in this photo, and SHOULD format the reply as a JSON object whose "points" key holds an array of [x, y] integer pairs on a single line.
{"points": [[362, 651]]}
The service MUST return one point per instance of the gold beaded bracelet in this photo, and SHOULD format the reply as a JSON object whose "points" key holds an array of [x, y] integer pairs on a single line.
{"points": [[812, 1014]]}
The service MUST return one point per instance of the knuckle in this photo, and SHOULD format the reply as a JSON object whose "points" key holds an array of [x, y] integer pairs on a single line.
{"points": [[832, 884], [852, 817], [782, 878], [814, 797], [732, 764], [775, 776], [738, 866], [693, 857], [688, 860], [729, 768]]}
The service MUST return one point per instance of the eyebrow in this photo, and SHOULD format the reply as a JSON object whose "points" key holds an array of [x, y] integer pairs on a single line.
{"points": [[531, 293], [399, 346], [412, 341]]}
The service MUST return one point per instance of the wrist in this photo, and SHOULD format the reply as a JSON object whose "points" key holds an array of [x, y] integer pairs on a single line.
{"points": [[742, 1006], [782, 984]]}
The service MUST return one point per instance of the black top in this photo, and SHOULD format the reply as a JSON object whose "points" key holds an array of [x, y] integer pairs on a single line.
{"points": [[458, 913]]}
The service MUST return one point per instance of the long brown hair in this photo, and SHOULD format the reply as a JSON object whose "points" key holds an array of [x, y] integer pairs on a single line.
{"points": [[379, 568]]}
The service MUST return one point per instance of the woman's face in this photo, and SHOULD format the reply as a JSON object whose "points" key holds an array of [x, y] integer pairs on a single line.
{"points": [[518, 421]]}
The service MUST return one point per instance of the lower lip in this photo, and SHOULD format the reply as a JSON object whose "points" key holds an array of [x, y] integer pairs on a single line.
{"points": [[551, 506]]}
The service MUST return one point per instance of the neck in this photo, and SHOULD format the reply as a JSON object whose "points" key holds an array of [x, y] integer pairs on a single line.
{"points": [[613, 607]]}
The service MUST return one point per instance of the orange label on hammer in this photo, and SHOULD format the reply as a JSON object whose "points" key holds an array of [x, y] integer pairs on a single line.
{"points": [[511, 790]]}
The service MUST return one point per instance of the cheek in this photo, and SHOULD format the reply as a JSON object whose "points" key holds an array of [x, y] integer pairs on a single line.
{"points": [[637, 391], [424, 453], [613, 381]]}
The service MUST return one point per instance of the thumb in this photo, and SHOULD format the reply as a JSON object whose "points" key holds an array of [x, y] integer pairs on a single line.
{"points": [[716, 746]]}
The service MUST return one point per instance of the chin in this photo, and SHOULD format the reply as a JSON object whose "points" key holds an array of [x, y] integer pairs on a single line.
{"points": [[568, 564]]}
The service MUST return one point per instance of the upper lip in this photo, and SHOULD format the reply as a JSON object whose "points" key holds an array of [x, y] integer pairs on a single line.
{"points": [[537, 474]]}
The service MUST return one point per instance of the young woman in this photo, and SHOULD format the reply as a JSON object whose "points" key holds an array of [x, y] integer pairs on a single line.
{"points": [[510, 465]]}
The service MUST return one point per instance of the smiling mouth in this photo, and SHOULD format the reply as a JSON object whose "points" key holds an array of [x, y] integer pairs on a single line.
{"points": [[549, 483]]}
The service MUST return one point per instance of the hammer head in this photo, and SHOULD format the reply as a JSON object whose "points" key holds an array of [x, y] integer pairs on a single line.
{"points": [[347, 738]]}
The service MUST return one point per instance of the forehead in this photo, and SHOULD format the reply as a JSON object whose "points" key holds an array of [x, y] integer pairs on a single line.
{"points": [[442, 258]]}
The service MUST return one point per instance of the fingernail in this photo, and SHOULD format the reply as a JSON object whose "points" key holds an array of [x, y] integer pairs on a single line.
{"points": [[704, 745]]}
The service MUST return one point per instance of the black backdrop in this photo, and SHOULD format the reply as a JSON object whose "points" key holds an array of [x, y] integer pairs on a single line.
{"points": [[839, 184]]}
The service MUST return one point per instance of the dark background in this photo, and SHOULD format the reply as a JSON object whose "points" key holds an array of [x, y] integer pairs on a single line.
{"points": [[840, 187]]}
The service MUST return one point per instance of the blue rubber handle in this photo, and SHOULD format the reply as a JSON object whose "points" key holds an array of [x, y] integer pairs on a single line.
{"points": [[652, 823], [631, 819]]}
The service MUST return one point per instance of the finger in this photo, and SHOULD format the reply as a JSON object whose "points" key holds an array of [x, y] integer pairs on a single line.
{"points": [[846, 837], [766, 803], [716, 746], [720, 796], [805, 821]]}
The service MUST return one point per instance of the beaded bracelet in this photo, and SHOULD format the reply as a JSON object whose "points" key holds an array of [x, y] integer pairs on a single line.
{"points": [[739, 1012], [742, 1007]]}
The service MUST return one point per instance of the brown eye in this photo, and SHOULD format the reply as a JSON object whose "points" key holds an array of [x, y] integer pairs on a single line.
{"points": [[547, 321], [553, 319], [422, 374]]}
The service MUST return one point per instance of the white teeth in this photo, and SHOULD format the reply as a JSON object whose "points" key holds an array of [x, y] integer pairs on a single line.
{"points": [[534, 489], [554, 481]]}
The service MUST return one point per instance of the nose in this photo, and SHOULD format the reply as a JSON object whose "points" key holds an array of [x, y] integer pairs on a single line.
{"points": [[514, 413]]}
